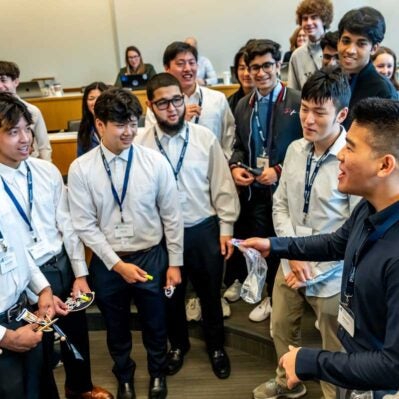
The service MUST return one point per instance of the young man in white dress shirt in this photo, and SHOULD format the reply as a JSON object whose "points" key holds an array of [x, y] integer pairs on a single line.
{"points": [[9, 81], [204, 106], [306, 202], [123, 200], [210, 207], [36, 198]]}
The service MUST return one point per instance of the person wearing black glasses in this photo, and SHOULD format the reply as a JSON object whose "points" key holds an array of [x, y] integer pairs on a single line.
{"points": [[210, 207], [267, 121]]}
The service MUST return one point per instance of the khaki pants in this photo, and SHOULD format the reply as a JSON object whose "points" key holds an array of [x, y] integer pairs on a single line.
{"points": [[288, 308]]}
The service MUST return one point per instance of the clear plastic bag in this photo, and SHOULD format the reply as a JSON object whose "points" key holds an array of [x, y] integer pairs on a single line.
{"points": [[252, 287]]}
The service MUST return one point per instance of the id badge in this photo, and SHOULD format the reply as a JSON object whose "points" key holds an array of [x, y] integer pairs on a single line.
{"points": [[347, 319], [124, 230], [262, 161], [303, 231], [8, 261], [182, 197], [38, 249]]}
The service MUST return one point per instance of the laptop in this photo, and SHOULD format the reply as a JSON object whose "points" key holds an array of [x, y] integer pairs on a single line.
{"points": [[29, 90], [134, 82]]}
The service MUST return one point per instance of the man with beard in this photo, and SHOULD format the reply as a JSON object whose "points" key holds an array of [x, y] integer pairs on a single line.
{"points": [[210, 207], [122, 212]]}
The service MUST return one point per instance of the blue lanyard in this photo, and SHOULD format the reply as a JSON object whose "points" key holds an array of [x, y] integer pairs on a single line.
{"points": [[200, 105], [264, 137], [96, 137], [125, 180], [309, 180], [182, 153], [17, 205]]}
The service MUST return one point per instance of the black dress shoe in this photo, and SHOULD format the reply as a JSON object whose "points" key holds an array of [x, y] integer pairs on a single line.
{"points": [[126, 391], [174, 361], [220, 363], [158, 389]]}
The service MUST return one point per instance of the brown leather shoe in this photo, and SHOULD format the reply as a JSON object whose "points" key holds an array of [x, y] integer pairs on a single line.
{"points": [[95, 393]]}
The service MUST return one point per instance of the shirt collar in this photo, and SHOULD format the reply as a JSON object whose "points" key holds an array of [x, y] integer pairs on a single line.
{"points": [[163, 136], [9, 173], [109, 155], [382, 221], [276, 92]]}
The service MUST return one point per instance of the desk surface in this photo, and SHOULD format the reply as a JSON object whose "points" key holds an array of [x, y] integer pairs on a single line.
{"points": [[57, 111]]}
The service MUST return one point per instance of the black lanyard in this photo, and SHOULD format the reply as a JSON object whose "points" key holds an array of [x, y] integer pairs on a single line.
{"points": [[264, 136], [200, 105], [27, 220], [3, 246], [125, 180], [182, 153], [309, 180]]}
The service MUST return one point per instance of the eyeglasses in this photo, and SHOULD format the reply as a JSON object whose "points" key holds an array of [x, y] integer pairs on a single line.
{"points": [[266, 67], [134, 57], [163, 103]]}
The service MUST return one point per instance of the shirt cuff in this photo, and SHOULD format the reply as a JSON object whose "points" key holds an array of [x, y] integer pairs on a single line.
{"points": [[306, 365], [2, 332], [110, 259], [38, 283], [79, 268], [175, 259], [226, 229]]}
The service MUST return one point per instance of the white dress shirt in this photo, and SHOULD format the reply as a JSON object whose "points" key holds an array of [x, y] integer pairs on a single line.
{"points": [[41, 143], [216, 115], [206, 71], [328, 208], [204, 178], [50, 218], [149, 205]]}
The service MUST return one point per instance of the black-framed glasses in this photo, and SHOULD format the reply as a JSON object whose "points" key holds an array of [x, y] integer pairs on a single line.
{"points": [[163, 103], [266, 67]]}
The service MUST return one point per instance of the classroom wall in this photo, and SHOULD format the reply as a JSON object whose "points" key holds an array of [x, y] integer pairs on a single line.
{"points": [[81, 41]]}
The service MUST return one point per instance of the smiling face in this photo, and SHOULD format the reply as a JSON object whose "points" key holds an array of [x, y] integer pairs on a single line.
{"points": [[15, 143], [134, 59], [264, 79], [385, 65], [92, 98], [8, 85], [313, 26], [359, 165], [184, 68], [244, 77], [354, 52], [301, 39], [321, 122], [117, 136]]}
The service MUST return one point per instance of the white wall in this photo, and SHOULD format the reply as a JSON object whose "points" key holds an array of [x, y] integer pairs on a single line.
{"points": [[77, 42]]}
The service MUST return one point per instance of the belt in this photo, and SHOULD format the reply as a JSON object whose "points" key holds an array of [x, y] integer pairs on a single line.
{"points": [[53, 261], [11, 313], [122, 254]]}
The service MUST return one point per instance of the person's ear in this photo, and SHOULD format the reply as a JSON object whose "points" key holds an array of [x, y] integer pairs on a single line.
{"points": [[387, 165], [342, 114]]}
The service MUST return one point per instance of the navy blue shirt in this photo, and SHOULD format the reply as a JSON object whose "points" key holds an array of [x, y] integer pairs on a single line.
{"points": [[369, 240]]}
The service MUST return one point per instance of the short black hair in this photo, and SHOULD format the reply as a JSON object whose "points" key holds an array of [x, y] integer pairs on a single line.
{"points": [[176, 48], [117, 105], [262, 47], [381, 118], [10, 69], [12, 110], [328, 83], [330, 39], [163, 79], [364, 21]]}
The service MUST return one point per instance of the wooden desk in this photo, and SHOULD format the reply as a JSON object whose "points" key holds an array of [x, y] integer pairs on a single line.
{"points": [[64, 150], [57, 111]]}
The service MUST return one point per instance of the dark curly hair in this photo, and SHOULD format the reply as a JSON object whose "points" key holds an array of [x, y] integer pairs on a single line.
{"points": [[323, 8]]}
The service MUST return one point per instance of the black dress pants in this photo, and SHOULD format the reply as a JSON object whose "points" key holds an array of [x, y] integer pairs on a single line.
{"points": [[203, 266], [114, 295]]}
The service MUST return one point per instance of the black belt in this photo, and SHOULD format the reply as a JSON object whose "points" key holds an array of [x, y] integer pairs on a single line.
{"points": [[11, 313], [53, 261], [123, 254]]}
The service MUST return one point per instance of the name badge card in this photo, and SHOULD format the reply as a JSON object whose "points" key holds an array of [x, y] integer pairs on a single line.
{"points": [[124, 230], [8, 261], [303, 231], [347, 319], [262, 161], [182, 197], [38, 249]]}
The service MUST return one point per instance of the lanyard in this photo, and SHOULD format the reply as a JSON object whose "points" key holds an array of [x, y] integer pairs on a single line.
{"points": [[125, 180], [17, 205], [199, 104], [311, 56], [264, 136], [3, 246], [96, 137], [309, 180], [353, 82], [182, 153]]}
